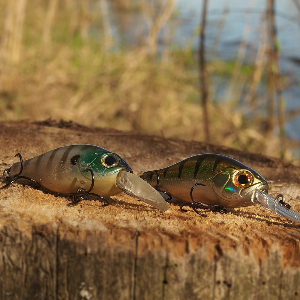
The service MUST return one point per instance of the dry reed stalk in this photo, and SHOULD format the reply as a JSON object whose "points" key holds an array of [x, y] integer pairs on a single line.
{"points": [[156, 23], [107, 31], [72, 7], [258, 71], [20, 7], [167, 40], [50, 15], [11, 42], [6, 36], [237, 82], [85, 21], [220, 26], [203, 74]]}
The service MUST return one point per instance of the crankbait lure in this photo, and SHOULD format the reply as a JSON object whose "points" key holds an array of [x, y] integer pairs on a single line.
{"points": [[217, 182], [80, 170]]}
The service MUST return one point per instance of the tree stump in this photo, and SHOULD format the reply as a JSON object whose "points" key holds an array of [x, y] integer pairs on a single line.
{"points": [[129, 250]]}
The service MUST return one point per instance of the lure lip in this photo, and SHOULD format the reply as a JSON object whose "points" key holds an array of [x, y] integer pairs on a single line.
{"points": [[135, 186], [267, 201]]}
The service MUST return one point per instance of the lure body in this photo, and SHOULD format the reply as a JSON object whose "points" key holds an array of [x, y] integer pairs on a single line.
{"points": [[214, 181], [66, 169], [83, 169], [217, 180]]}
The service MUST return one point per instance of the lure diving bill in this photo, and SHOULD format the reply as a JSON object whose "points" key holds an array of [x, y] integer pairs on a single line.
{"points": [[82, 169], [214, 181]]}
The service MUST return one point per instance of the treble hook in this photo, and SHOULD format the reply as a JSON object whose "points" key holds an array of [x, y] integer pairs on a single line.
{"points": [[82, 193], [197, 204]]}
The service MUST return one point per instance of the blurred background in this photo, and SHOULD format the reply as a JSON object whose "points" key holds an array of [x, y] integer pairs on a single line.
{"points": [[224, 72]]}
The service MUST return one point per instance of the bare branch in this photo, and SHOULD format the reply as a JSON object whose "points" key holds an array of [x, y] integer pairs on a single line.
{"points": [[203, 73]]}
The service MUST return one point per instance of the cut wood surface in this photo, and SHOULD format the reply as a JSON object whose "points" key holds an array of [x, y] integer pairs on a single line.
{"points": [[129, 250]]}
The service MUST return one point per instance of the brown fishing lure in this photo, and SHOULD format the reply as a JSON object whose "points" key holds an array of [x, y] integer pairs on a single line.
{"points": [[215, 181]]}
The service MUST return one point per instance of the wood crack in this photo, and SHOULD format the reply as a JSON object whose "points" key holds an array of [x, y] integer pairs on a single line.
{"points": [[57, 264], [135, 264], [165, 281]]}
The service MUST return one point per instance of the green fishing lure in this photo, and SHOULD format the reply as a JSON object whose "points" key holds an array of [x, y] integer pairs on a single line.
{"points": [[80, 170]]}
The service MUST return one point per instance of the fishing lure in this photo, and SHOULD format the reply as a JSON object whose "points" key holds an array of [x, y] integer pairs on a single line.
{"points": [[80, 170], [217, 182]]}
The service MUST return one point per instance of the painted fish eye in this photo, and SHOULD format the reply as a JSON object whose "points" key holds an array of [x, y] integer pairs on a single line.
{"points": [[109, 160], [243, 179], [74, 159]]}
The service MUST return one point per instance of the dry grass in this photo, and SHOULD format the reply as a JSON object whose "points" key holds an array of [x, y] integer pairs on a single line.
{"points": [[59, 70]]}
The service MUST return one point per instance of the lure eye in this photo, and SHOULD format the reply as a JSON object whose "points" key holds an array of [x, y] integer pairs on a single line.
{"points": [[109, 160], [74, 159], [243, 179]]}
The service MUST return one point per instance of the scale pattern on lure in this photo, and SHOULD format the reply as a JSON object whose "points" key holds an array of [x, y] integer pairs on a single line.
{"points": [[82, 169], [215, 181]]}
